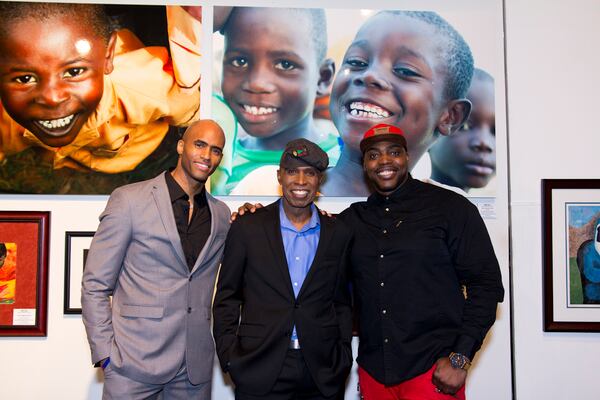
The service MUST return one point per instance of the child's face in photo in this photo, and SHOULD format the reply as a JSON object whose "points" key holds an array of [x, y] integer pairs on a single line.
{"points": [[270, 70], [468, 157], [391, 73], [52, 75]]}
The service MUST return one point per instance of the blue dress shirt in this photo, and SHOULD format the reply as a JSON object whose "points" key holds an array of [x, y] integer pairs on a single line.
{"points": [[300, 248]]}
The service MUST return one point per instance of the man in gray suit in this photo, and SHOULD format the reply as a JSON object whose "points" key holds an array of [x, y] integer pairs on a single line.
{"points": [[156, 252]]}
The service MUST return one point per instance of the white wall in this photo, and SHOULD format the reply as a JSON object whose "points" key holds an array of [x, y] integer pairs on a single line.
{"points": [[552, 58], [553, 86]]}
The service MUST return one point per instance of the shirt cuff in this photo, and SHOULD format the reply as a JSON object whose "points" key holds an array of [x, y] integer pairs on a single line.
{"points": [[466, 345]]}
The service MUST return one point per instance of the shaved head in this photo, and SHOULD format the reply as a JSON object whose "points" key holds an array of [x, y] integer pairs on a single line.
{"points": [[207, 125]]}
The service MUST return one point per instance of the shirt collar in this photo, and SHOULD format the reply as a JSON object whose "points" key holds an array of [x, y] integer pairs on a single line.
{"points": [[313, 223], [176, 192]]}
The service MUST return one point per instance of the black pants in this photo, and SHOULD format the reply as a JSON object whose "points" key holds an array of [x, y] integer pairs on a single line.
{"points": [[293, 383]]}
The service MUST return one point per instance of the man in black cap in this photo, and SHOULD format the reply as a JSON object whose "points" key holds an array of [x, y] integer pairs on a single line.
{"points": [[425, 278], [282, 317]]}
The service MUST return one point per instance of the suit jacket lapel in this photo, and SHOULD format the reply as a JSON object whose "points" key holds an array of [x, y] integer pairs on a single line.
{"points": [[214, 227], [272, 228], [324, 239], [165, 210]]}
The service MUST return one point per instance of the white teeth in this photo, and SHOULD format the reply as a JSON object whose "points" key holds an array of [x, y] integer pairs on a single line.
{"points": [[365, 110], [56, 123], [202, 166], [386, 173], [300, 192], [254, 110]]}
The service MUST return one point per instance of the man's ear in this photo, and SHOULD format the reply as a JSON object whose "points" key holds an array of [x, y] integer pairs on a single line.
{"points": [[279, 176], [110, 53], [454, 116], [326, 74], [180, 144]]}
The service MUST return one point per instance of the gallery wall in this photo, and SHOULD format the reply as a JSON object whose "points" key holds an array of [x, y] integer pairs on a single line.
{"points": [[552, 106], [551, 117]]}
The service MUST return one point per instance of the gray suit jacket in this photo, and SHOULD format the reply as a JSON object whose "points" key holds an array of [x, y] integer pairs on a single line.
{"points": [[160, 311]]}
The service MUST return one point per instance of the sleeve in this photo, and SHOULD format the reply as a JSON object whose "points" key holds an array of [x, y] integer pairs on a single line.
{"points": [[229, 295], [342, 299], [185, 35], [156, 85], [102, 269], [478, 270]]}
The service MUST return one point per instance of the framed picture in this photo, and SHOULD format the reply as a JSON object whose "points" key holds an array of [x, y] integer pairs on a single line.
{"points": [[571, 229], [24, 239], [77, 245], [157, 63]]}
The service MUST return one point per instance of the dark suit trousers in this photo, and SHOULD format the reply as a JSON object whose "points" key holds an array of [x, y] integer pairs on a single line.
{"points": [[293, 383]]}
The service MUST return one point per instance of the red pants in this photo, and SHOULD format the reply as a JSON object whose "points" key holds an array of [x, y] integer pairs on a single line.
{"points": [[417, 388]]}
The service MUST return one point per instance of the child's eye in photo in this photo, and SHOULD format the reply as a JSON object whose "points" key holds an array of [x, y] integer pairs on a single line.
{"points": [[285, 65], [406, 72], [239, 62], [25, 79], [73, 72], [357, 63]]}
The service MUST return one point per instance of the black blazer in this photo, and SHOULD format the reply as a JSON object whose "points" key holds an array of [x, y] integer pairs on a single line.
{"points": [[254, 282]]}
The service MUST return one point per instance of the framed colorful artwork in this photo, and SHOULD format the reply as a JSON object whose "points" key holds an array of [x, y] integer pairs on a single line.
{"points": [[24, 240], [77, 245], [571, 245]]}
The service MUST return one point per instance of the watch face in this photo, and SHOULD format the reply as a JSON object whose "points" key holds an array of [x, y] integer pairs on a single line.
{"points": [[457, 360]]}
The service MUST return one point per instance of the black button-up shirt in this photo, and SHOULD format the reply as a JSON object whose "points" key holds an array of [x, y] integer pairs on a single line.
{"points": [[193, 232], [413, 251]]}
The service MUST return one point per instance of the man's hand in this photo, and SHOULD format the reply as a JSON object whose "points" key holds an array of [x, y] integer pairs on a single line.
{"points": [[247, 207], [446, 378]]}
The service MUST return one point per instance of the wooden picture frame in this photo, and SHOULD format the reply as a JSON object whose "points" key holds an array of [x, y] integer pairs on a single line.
{"points": [[24, 238], [571, 259]]}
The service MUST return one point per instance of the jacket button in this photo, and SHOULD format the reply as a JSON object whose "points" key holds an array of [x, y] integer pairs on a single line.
{"points": [[189, 310], [190, 279], [296, 305]]}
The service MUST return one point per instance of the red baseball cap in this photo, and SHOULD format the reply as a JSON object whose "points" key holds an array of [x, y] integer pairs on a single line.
{"points": [[381, 132]]}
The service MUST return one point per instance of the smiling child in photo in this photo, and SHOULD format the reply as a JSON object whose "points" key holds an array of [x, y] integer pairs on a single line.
{"points": [[409, 69], [93, 98]]}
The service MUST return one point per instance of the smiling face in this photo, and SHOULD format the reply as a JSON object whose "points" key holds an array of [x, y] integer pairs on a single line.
{"points": [[391, 73], [386, 165], [52, 75], [270, 70], [200, 151], [299, 185], [467, 159]]}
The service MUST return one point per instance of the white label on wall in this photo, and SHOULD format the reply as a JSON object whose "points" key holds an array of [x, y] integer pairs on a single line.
{"points": [[24, 316]]}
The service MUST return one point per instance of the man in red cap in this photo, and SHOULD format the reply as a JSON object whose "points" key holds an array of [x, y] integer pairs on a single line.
{"points": [[425, 277]]}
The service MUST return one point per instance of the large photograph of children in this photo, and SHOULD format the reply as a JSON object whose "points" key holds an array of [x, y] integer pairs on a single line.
{"points": [[329, 75], [94, 96]]}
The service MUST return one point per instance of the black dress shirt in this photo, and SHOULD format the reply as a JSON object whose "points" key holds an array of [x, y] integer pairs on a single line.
{"points": [[412, 252], [194, 232]]}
